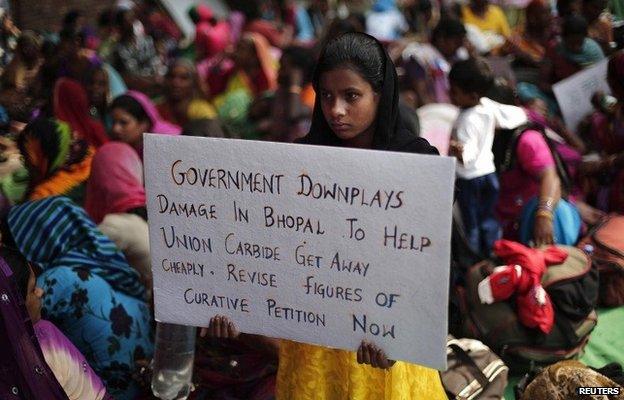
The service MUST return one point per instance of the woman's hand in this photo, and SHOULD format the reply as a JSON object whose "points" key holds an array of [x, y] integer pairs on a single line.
{"points": [[370, 354], [543, 231], [220, 327]]}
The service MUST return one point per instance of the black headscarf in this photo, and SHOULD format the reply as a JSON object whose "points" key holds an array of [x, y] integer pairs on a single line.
{"points": [[355, 49]]}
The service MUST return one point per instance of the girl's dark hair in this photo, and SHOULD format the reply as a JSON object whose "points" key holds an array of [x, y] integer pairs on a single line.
{"points": [[364, 55], [574, 25], [131, 106], [359, 52], [19, 265]]}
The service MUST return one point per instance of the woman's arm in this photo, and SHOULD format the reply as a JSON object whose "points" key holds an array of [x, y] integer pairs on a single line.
{"points": [[549, 196]]}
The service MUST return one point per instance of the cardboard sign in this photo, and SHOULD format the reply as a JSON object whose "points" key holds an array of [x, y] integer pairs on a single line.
{"points": [[315, 244], [574, 93]]}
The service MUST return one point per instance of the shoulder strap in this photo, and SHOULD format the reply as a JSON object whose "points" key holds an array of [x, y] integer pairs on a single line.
{"points": [[510, 155], [469, 362]]}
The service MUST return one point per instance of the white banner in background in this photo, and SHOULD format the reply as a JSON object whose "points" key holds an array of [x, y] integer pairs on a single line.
{"points": [[574, 93]]}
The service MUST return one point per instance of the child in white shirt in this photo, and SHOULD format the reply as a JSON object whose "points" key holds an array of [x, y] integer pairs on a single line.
{"points": [[471, 143]]}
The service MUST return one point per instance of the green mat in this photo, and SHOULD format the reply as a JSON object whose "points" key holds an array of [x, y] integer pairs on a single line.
{"points": [[606, 344]]}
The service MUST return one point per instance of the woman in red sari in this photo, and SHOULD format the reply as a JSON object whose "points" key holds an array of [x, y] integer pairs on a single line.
{"points": [[71, 105]]}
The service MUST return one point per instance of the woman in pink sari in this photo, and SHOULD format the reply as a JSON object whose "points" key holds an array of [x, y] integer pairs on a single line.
{"points": [[115, 200], [134, 114]]}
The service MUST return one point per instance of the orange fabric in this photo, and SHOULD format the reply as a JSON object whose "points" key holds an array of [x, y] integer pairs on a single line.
{"points": [[64, 180], [268, 30], [308, 96], [267, 63]]}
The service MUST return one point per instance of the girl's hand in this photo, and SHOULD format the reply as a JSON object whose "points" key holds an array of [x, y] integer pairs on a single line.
{"points": [[220, 327], [370, 354]]}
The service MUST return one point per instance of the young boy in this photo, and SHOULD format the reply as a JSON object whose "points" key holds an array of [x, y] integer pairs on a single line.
{"points": [[471, 143]]}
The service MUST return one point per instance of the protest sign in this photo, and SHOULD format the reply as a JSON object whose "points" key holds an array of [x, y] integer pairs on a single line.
{"points": [[320, 245], [574, 93]]}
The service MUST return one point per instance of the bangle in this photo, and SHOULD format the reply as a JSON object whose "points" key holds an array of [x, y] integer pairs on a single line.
{"points": [[544, 214], [546, 204]]}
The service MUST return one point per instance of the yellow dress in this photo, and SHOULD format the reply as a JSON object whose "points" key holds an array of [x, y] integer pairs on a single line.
{"points": [[493, 21], [308, 372]]}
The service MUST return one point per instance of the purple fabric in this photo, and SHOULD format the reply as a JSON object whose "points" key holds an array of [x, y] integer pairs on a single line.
{"points": [[159, 125], [24, 373]]}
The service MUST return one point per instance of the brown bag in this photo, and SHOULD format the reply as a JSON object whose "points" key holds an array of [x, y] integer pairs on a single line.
{"points": [[563, 379], [474, 371], [607, 253], [497, 324]]}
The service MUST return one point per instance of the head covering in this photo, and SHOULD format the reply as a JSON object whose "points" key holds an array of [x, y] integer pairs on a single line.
{"points": [[268, 78], [71, 105], [57, 164], [159, 125], [22, 366], [116, 181], [54, 232], [387, 123]]}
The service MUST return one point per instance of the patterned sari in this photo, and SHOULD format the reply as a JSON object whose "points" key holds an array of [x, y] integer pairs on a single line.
{"points": [[91, 293]]}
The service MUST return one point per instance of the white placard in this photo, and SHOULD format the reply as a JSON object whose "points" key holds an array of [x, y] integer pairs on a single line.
{"points": [[316, 244], [574, 93]]}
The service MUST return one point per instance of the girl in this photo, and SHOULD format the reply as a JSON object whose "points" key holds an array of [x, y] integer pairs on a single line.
{"points": [[357, 105], [134, 114]]}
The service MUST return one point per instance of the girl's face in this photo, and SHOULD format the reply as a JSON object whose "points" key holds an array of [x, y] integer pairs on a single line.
{"points": [[349, 103], [33, 298], [127, 128]]}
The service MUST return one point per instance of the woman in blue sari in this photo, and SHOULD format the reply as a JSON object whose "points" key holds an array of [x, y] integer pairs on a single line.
{"points": [[90, 291]]}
